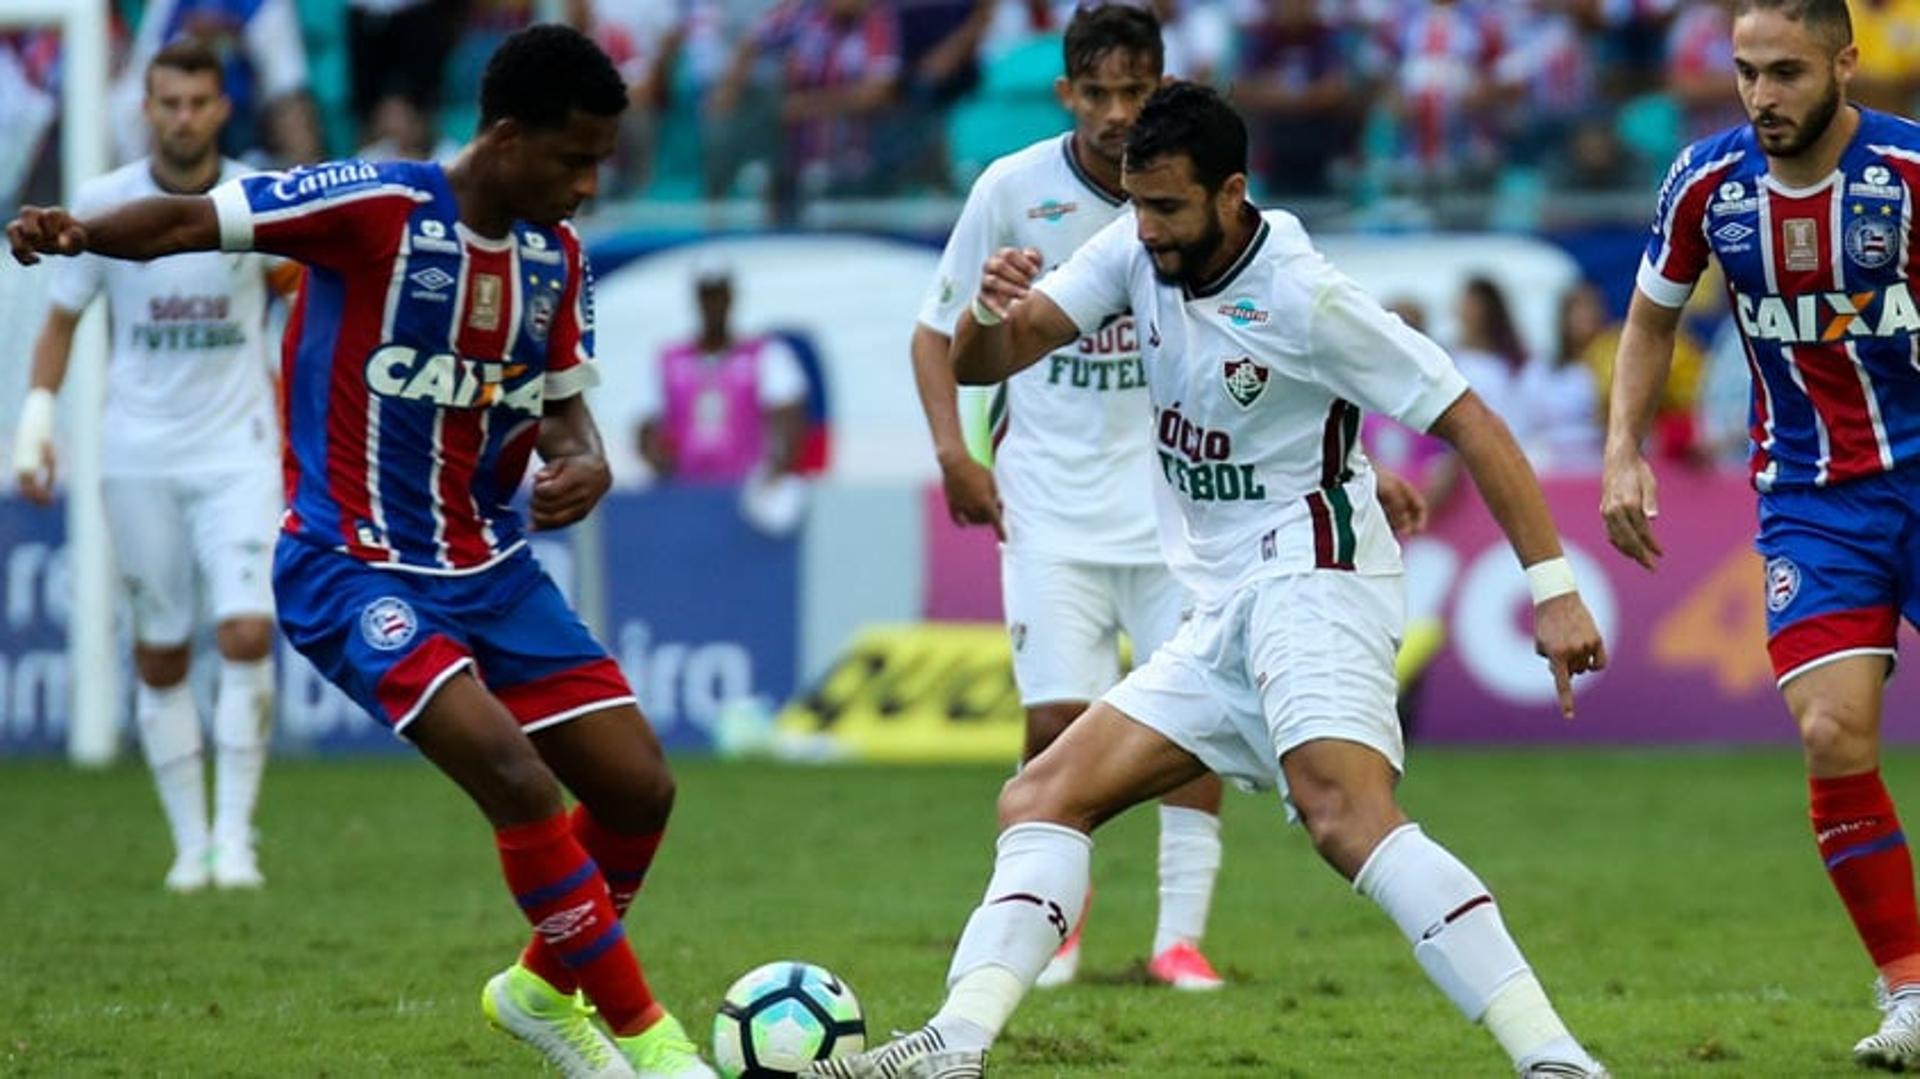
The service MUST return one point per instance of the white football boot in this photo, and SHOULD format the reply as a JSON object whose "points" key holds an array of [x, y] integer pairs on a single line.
{"points": [[1896, 1045], [189, 872], [922, 1054]]}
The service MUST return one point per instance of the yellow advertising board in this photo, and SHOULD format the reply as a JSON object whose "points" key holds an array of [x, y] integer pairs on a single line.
{"points": [[923, 692]]}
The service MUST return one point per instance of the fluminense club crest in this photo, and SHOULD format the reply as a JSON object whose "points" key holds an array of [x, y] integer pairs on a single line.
{"points": [[1245, 380]]}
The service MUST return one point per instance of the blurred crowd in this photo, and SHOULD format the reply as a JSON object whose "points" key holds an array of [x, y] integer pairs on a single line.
{"points": [[802, 99]]}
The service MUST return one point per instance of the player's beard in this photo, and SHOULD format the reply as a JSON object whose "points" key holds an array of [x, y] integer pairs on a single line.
{"points": [[1194, 256], [185, 154], [1808, 131]]}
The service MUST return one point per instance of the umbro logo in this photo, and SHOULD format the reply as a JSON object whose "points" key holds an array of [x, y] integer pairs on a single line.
{"points": [[433, 278], [431, 285], [1732, 232]]}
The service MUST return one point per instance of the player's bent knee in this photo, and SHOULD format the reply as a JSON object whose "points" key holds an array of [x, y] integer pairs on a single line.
{"points": [[1036, 794], [161, 667], [1836, 743], [245, 640]]}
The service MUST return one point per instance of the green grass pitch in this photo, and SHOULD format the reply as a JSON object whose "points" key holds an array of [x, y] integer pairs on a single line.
{"points": [[1671, 902]]}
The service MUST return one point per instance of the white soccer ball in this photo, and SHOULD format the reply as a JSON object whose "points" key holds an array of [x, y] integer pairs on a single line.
{"points": [[783, 1016]]}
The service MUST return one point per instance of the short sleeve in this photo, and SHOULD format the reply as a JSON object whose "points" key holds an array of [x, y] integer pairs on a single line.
{"points": [[1367, 355], [570, 367], [1091, 286], [974, 239], [339, 214], [1677, 251], [782, 382]]}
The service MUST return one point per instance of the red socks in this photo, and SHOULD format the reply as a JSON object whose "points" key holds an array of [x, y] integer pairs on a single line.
{"points": [[623, 860], [562, 893], [1867, 858]]}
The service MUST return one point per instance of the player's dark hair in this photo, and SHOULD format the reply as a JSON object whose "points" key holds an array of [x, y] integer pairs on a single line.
{"points": [[541, 75], [1105, 28], [188, 54], [1191, 119], [1828, 18]]}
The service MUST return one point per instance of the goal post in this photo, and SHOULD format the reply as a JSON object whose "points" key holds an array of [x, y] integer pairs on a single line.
{"points": [[93, 673]]}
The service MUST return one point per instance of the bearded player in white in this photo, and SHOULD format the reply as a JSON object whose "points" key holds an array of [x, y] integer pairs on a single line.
{"points": [[1079, 559], [190, 465], [1259, 356]]}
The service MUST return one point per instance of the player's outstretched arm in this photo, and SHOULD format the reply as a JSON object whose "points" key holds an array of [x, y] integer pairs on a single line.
{"points": [[1628, 501], [574, 474], [1563, 629], [142, 229], [1009, 327]]}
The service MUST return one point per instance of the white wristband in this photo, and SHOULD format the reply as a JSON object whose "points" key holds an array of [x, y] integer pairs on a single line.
{"points": [[983, 315], [34, 431], [1550, 579]]}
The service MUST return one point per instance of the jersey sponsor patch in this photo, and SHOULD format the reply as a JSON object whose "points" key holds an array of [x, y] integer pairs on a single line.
{"points": [[388, 623], [1803, 244], [1783, 583], [1245, 380]]}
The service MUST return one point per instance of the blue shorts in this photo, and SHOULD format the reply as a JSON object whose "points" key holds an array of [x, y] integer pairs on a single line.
{"points": [[1842, 567], [390, 638]]}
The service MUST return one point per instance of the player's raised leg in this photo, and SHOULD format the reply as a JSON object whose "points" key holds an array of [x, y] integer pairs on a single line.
{"points": [[612, 762], [1837, 706], [1343, 791], [472, 738], [1105, 763]]}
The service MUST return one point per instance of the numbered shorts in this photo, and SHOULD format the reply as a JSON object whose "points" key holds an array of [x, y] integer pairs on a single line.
{"points": [[1842, 567], [1285, 661], [169, 532], [389, 638], [1064, 619]]}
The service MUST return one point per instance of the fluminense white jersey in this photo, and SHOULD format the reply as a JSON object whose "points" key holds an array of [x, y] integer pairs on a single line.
{"points": [[1071, 452], [1257, 382], [188, 389]]}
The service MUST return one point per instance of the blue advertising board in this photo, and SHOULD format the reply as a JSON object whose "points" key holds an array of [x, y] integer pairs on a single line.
{"points": [[34, 588]]}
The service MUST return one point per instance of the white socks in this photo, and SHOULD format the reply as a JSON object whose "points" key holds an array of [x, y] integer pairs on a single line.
{"points": [[242, 714], [1189, 862], [169, 726], [1034, 900], [1457, 935]]}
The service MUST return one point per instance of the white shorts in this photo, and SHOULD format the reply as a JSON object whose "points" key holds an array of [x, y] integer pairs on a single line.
{"points": [[168, 529], [1286, 661], [1064, 618]]}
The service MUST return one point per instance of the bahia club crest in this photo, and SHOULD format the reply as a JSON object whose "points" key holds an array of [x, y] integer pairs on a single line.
{"points": [[1245, 380]]}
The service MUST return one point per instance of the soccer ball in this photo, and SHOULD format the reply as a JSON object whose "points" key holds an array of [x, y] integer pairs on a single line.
{"points": [[783, 1016]]}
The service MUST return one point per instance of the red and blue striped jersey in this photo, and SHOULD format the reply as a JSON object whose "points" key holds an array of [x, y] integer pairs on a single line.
{"points": [[417, 359], [1821, 282]]}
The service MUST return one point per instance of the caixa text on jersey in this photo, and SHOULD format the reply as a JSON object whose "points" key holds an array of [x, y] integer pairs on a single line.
{"points": [[450, 381]]}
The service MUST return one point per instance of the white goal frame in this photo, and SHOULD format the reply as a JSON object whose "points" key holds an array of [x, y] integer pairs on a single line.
{"points": [[93, 669]]}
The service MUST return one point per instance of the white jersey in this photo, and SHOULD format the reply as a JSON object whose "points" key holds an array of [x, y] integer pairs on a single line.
{"points": [[188, 389], [1257, 382], [1072, 456]]}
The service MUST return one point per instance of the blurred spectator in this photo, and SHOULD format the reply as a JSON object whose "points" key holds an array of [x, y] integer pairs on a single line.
{"points": [[939, 64], [27, 109], [1295, 86], [1442, 97], [1593, 159], [1676, 429], [1888, 33], [1196, 35], [1489, 351], [839, 61], [1700, 72], [643, 38], [1556, 400], [265, 76], [397, 52], [1546, 77], [730, 407], [1633, 41]]}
